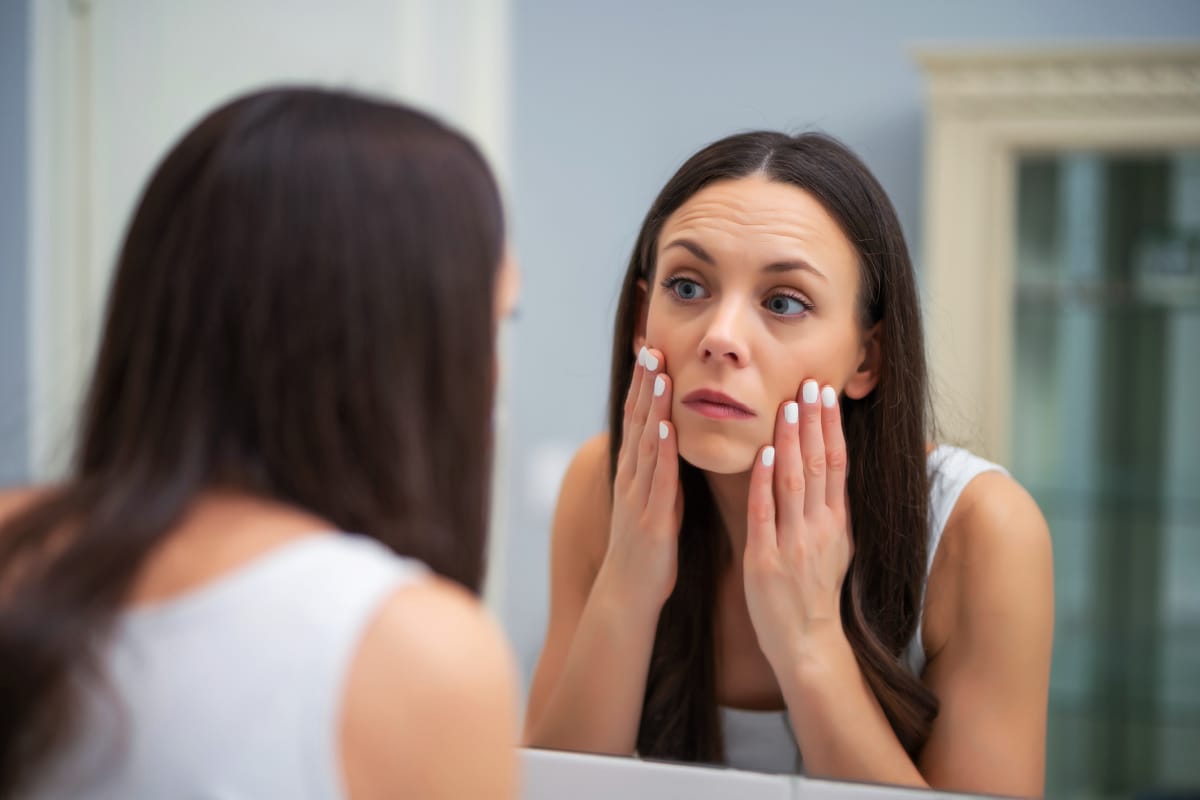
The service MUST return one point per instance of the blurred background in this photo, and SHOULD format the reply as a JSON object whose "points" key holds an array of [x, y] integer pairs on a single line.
{"points": [[1044, 158]]}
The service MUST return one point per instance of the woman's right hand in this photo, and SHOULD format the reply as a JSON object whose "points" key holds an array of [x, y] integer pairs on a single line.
{"points": [[613, 566], [647, 500]]}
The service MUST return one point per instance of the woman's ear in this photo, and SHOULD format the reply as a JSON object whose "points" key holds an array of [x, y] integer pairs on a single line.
{"points": [[641, 309], [870, 361]]}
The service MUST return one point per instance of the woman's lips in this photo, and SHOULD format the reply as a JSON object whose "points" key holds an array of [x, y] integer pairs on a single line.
{"points": [[716, 405]]}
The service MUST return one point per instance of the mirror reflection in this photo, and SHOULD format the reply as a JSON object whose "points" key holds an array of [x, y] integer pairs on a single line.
{"points": [[769, 561]]}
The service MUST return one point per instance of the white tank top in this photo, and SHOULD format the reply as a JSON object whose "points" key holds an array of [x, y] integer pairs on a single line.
{"points": [[233, 690], [763, 741]]}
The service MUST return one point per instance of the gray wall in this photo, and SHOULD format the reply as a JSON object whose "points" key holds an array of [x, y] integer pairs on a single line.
{"points": [[611, 97], [14, 216]]}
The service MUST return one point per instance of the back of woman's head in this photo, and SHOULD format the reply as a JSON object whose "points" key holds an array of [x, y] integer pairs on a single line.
{"points": [[302, 310]]}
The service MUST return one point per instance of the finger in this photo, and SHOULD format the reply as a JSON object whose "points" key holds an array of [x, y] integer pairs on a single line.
{"points": [[664, 489], [624, 457], [812, 448], [761, 539], [645, 390], [835, 449], [789, 469], [627, 455], [659, 410], [635, 385]]}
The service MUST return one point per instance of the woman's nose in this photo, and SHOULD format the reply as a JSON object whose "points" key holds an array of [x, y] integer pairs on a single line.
{"points": [[725, 336]]}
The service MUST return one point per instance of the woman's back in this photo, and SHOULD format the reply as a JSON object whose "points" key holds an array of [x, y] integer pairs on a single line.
{"points": [[244, 664]]}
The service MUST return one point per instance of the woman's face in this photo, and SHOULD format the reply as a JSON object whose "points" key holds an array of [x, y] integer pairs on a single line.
{"points": [[755, 290]]}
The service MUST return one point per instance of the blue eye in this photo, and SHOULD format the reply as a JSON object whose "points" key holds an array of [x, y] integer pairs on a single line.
{"points": [[786, 306], [685, 288]]}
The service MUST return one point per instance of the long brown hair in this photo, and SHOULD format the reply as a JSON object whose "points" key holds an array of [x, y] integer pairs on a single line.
{"points": [[886, 433], [302, 311]]}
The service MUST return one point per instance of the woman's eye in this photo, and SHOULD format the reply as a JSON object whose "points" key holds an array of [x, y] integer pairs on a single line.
{"points": [[786, 305], [685, 289]]}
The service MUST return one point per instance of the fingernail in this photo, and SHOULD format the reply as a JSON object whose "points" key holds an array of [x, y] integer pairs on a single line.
{"points": [[768, 456], [660, 386], [791, 412], [642, 357], [828, 397], [810, 392], [651, 361], [662, 430]]}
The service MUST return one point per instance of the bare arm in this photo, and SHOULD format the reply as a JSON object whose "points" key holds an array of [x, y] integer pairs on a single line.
{"points": [[587, 688], [992, 598], [613, 567], [15, 500], [431, 702], [991, 676]]}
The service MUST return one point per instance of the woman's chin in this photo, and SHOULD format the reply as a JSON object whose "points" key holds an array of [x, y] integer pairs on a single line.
{"points": [[717, 454]]}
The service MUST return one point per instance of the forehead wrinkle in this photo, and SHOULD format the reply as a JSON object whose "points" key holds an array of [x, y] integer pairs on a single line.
{"points": [[756, 205], [766, 222], [790, 229]]}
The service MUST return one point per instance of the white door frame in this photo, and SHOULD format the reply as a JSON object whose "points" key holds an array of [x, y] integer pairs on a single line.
{"points": [[986, 108]]}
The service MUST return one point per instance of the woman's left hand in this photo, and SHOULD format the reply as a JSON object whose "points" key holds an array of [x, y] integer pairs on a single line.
{"points": [[798, 544]]}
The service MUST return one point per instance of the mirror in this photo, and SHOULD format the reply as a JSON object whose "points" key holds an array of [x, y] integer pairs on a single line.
{"points": [[992, 115]]}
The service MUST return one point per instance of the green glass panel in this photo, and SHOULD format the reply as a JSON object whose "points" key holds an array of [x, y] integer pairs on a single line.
{"points": [[1106, 438]]}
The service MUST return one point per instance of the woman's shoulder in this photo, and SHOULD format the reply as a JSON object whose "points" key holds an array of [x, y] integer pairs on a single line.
{"points": [[987, 511], [16, 499], [435, 626], [994, 510], [995, 544], [434, 680], [591, 459]]}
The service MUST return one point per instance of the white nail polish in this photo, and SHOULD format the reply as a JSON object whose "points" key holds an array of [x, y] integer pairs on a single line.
{"points": [[768, 456], [791, 412], [651, 361], [662, 430], [660, 386], [642, 357], [828, 397], [810, 392]]}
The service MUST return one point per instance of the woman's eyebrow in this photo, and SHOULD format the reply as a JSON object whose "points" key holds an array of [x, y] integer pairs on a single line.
{"points": [[693, 248], [774, 267], [794, 264]]}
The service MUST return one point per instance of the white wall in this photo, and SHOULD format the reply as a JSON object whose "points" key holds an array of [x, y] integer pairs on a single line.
{"points": [[116, 82]]}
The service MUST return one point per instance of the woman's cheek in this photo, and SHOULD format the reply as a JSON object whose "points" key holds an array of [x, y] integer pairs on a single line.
{"points": [[655, 326]]}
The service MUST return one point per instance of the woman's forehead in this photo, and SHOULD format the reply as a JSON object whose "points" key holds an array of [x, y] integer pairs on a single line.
{"points": [[757, 213]]}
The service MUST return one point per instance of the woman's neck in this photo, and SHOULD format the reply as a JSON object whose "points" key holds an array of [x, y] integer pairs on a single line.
{"points": [[730, 495]]}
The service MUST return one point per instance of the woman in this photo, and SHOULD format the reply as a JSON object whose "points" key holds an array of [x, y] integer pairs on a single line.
{"points": [[260, 578], [766, 559]]}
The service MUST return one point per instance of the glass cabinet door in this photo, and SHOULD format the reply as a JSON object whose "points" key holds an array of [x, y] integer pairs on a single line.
{"points": [[1106, 436]]}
